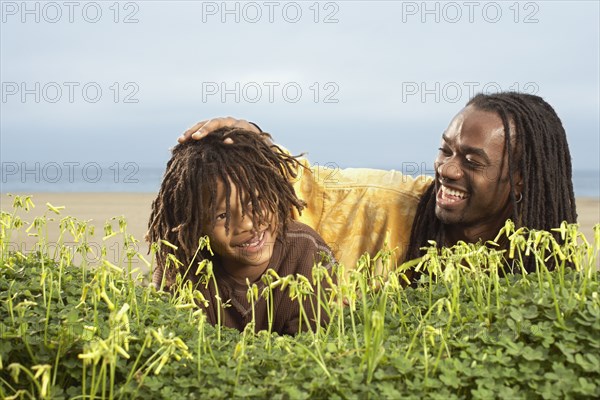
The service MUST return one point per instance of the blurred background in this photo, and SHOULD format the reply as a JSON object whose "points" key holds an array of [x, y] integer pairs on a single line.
{"points": [[105, 88], [95, 93]]}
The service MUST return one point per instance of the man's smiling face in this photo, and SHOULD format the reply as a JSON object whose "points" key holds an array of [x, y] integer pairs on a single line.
{"points": [[472, 183]]}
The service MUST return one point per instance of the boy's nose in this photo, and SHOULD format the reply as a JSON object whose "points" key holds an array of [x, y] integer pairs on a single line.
{"points": [[244, 223]]}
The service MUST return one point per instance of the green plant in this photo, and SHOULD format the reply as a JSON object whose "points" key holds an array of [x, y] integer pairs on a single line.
{"points": [[468, 329]]}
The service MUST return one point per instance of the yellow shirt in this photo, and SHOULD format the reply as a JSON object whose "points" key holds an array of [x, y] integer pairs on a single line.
{"points": [[358, 210]]}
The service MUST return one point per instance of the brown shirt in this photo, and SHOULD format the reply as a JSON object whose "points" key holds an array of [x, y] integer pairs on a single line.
{"points": [[296, 254]]}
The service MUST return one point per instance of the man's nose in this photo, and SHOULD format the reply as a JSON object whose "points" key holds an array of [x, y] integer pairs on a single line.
{"points": [[451, 170]]}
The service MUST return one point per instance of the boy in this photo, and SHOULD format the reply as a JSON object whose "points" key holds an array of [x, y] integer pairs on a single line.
{"points": [[233, 187]]}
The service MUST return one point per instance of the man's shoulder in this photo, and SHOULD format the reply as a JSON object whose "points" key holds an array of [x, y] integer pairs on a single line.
{"points": [[302, 239], [377, 180]]}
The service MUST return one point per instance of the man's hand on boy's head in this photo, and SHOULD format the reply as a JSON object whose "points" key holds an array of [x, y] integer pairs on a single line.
{"points": [[203, 128]]}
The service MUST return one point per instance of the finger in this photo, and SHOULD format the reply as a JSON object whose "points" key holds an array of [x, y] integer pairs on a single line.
{"points": [[243, 124], [228, 140], [188, 133], [212, 125]]}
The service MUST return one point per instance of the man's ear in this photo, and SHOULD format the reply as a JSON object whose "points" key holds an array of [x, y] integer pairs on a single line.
{"points": [[518, 181]]}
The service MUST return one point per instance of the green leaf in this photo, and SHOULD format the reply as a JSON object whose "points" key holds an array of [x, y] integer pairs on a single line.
{"points": [[516, 315], [532, 354]]}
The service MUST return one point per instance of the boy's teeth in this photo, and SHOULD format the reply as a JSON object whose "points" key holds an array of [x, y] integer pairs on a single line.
{"points": [[254, 242]]}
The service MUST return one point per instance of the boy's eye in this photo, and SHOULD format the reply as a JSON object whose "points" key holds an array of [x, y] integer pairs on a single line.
{"points": [[221, 217], [249, 206]]}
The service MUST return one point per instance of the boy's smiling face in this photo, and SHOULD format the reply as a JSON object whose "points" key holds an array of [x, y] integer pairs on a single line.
{"points": [[245, 250]]}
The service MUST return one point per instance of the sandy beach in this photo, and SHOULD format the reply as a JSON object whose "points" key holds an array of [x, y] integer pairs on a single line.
{"points": [[97, 208]]}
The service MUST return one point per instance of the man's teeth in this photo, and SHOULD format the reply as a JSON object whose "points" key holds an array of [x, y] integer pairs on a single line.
{"points": [[452, 192], [255, 240]]}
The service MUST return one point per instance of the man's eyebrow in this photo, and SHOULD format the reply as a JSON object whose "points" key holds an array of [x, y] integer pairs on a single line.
{"points": [[470, 150]]}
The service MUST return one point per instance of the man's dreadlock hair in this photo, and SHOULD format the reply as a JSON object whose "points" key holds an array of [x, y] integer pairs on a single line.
{"points": [[543, 160], [259, 171]]}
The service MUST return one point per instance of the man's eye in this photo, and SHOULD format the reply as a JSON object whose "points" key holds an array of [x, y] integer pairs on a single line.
{"points": [[444, 151], [473, 163]]}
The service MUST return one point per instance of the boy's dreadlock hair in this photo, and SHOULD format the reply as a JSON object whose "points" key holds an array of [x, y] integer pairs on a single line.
{"points": [[539, 151], [259, 171]]}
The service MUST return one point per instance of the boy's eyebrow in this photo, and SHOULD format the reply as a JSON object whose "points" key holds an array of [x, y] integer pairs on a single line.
{"points": [[246, 197], [220, 207], [470, 150]]}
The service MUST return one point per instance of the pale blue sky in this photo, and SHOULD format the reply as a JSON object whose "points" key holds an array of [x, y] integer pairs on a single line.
{"points": [[397, 74]]}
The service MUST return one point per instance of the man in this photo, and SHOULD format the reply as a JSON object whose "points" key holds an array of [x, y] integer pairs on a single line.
{"points": [[503, 156]]}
